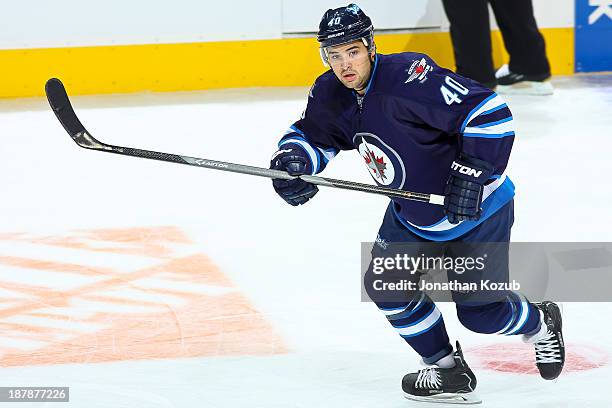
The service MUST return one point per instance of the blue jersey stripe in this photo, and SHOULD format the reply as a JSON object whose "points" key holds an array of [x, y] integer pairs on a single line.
{"points": [[480, 105], [489, 135], [494, 109]]}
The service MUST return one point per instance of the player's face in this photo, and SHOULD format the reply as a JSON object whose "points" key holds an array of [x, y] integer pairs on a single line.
{"points": [[352, 64]]}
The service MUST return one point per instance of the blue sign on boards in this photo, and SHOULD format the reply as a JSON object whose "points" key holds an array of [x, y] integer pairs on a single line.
{"points": [[593, 35]]}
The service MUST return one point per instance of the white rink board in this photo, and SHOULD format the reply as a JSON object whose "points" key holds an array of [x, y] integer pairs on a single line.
{"points": [[298, 16], [72, 23]]}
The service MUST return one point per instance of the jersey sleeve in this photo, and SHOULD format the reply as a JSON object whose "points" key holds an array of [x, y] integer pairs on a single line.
{"points": [[319, 130], [462, 107]]}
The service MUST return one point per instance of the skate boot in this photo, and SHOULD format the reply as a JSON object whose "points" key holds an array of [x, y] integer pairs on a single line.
{"points": [[548, 341], [510, 83], [446, 385]]}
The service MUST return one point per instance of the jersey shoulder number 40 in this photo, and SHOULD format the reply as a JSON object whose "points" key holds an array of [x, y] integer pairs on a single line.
{"points": [[452, 96]]}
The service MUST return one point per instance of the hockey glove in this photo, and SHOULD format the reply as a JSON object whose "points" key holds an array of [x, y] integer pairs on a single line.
{"points": [[464, 188], [294, 160]]}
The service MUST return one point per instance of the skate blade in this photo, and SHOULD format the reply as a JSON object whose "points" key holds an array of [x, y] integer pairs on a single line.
{"points": [[526, 88], [469, 398]]}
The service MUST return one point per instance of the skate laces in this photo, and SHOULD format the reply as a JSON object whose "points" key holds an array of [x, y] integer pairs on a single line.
{"points": [[547, 350], [428, 378]]}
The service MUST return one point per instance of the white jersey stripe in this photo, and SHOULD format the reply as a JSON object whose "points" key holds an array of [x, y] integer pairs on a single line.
{"points": [[489, 105]]}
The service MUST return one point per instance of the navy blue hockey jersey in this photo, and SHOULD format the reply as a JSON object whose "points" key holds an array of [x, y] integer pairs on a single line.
{"points": [[413, 120]]}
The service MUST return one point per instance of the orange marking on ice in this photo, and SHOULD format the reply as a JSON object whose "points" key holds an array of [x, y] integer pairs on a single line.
{"points": [[10, 236], [137, 235], [54, 266], [132, 241], [149, 321], [118, 301], [24, 328], [61, 298], [33, 291]]}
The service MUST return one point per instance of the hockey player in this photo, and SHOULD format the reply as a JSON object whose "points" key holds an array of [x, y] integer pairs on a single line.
{"points": [[420, 127]]}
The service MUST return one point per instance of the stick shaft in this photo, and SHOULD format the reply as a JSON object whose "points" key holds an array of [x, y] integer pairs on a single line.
{"points": [[60, 103]]}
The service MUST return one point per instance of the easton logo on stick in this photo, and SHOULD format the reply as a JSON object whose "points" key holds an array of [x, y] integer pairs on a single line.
{"points": [[202, 162]]}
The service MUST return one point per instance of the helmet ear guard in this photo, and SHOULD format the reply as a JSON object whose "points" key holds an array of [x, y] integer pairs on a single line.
{"points": [[369, 43]]}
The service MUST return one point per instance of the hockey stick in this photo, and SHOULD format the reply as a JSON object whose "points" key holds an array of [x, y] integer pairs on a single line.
{"points": [[60, 103]]}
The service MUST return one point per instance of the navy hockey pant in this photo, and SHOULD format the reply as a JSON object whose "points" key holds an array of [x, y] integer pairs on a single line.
{"points": [[417, 318]]}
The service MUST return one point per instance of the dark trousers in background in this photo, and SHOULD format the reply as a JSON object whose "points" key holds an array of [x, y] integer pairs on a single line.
{"points": [[470, 34]]}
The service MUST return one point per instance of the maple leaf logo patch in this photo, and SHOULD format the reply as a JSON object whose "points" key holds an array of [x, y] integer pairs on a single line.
{"points": [[377, 165], [418, 70]]}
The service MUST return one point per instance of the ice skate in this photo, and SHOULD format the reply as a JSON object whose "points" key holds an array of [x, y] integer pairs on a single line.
{"points": [[548, 341], [443, 385]]}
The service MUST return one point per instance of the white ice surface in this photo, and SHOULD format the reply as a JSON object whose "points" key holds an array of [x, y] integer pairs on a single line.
{"points": [[298, 266]]}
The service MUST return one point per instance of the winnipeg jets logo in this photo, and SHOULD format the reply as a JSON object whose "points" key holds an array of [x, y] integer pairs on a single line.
{"points": [[353, 8], [377, 165], [383, 163], [418, 69]]}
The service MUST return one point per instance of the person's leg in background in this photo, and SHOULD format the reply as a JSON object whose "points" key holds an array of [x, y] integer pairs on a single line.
{"points": [[471, 37], [525, 45]]}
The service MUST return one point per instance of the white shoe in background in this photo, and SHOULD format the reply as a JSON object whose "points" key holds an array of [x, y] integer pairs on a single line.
{"points": [[510, 83]]}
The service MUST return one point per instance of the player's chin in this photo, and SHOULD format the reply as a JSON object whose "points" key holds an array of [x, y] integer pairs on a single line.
{"points": [[354, 84]]}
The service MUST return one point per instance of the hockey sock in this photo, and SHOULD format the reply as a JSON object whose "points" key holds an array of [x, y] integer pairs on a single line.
{"points": [[419, 322], [447, 361]]}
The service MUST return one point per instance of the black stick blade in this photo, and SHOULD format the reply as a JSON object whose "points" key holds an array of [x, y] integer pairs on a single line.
{"points": [[58, 99], [60, 103]]}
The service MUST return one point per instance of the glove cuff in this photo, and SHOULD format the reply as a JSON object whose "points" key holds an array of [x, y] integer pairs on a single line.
{"points": [[293, 158], [471, 169], [304, 148]]}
